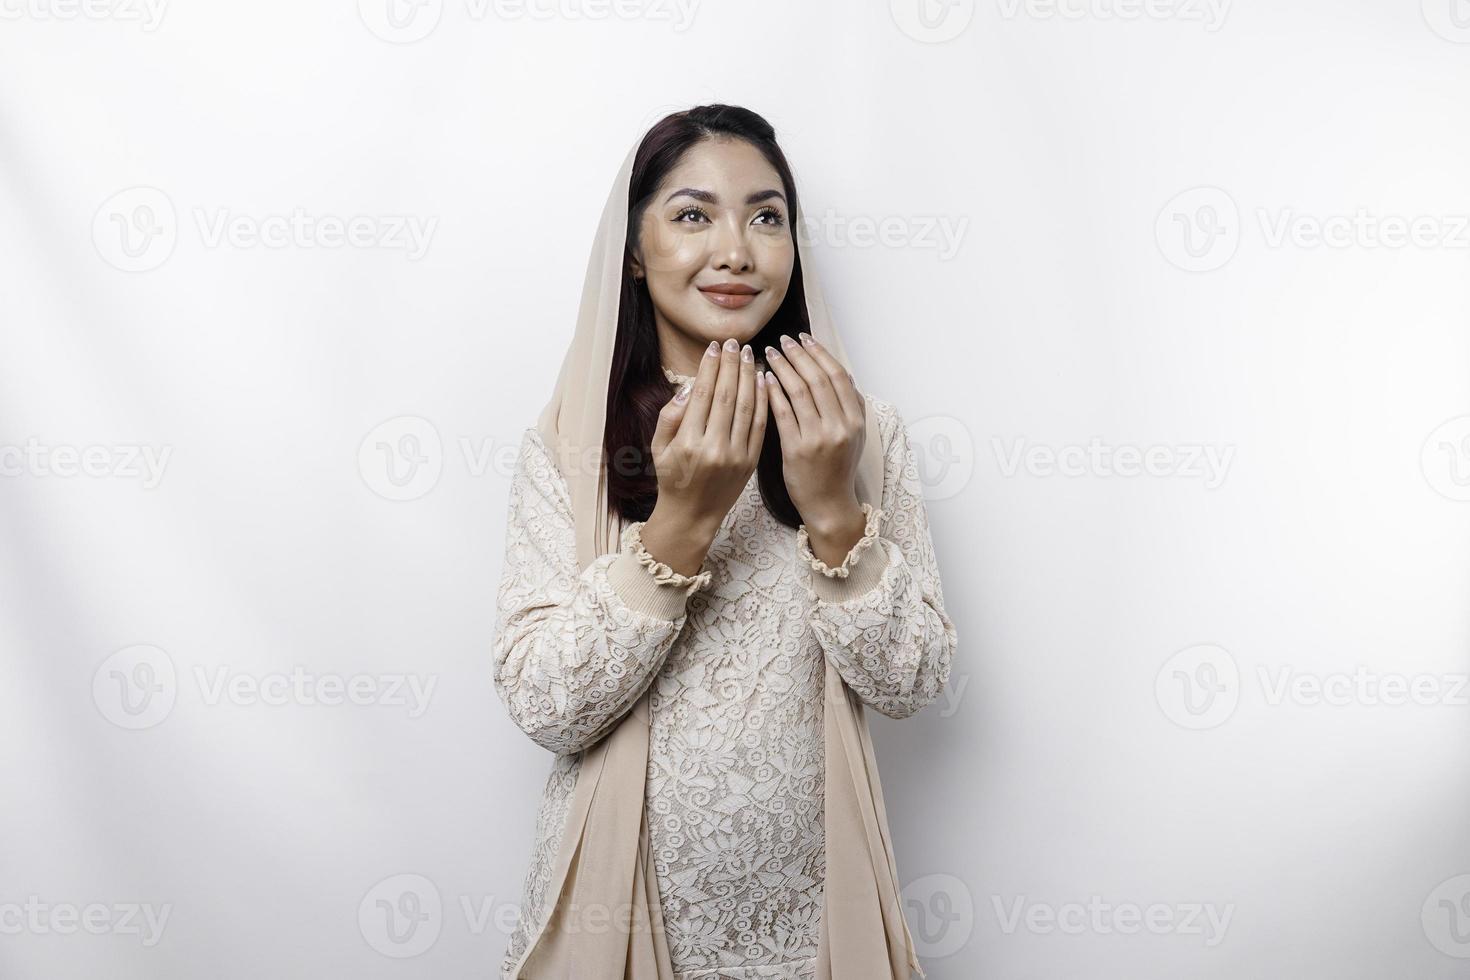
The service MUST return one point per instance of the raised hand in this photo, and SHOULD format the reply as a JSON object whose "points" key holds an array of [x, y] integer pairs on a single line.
{"points": [[705, 447], [822, 420]]}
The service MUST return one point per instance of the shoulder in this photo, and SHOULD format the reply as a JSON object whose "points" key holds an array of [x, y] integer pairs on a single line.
{"points": [[533, 450], [536, 468]]}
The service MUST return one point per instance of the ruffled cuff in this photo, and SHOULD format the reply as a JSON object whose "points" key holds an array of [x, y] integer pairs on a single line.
{"points": [[854, 576], [647, 584]]}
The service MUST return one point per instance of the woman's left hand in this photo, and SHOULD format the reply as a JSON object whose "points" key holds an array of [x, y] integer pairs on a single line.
{"points": [[822, 421]]}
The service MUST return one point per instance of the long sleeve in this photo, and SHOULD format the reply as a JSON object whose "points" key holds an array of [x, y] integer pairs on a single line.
{"points": [[880, 615], [574, 652]]}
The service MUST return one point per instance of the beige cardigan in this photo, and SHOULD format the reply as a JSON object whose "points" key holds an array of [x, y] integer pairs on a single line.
{"points": [[574, 652]]}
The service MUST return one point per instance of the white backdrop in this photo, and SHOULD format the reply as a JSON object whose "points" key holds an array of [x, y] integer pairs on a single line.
{"points": [[1172, 294]]}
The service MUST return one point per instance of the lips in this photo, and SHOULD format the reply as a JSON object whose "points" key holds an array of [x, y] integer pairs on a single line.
{"points": [[730, 295]]}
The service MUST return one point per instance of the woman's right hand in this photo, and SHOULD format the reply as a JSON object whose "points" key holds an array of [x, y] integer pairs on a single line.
{"points": [[706, 447]]}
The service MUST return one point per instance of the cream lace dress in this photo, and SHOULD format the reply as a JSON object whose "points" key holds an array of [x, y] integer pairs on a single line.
{"points": [[735, 659]]}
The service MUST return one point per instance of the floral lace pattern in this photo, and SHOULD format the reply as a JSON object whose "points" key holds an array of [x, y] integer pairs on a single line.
{"points": [[736, 754]]}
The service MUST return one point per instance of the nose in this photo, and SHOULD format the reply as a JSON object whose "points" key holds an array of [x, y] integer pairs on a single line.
{"points": [[730, 250]]}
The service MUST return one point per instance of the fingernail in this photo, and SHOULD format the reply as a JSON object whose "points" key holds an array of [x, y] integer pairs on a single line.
{"points": [[760, 379], [713, 350], [683, 393], [747, 355], [772, 352], [806, 338], [731, 345], [787, 341]]}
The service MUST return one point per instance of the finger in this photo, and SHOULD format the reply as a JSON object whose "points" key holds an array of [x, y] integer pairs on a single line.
{"points": [[757, 436], [722, 408], [794, 390], [697, 415], [815, 376], [670, 417], [786, 422], [744, 399], [838, 376]]}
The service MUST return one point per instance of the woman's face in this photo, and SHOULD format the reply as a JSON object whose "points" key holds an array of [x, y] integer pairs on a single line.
{"points": [[719, 219]]}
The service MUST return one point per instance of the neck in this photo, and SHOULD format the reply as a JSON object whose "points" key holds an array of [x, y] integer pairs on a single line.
{"points": [[678, 352]]}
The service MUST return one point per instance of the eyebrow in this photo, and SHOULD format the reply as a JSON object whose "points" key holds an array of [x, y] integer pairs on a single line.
{"points": [[709, 198]]}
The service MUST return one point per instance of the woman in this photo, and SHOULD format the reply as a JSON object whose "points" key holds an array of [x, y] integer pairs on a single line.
{"points": [[697, 603]]}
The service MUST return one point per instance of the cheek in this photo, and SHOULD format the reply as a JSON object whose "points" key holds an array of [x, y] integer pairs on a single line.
{"points": [[778, 261], [668, 254]]}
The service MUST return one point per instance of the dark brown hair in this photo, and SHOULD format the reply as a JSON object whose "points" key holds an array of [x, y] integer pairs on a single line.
{"points": [[637, 387]]}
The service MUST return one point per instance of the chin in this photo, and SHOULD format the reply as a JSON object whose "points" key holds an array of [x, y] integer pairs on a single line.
{"points": [[742, 330]]}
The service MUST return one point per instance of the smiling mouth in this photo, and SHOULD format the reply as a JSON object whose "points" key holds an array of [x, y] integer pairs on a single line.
{"points": [[729, 300]]}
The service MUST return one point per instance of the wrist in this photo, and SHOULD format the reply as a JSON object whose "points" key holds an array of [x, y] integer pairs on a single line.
{"points": [[678, 520], [678, 540], [835, 520], [833, 532]]}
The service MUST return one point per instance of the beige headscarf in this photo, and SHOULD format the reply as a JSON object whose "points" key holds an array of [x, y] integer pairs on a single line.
{"points": [[603, 880]]}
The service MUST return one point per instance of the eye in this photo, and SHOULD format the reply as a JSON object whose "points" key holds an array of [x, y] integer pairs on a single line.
{"points": [[776, 218], [691, 209]]}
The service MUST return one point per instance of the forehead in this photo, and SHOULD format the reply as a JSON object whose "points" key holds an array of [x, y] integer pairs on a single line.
{"points": [[723, 165]]}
